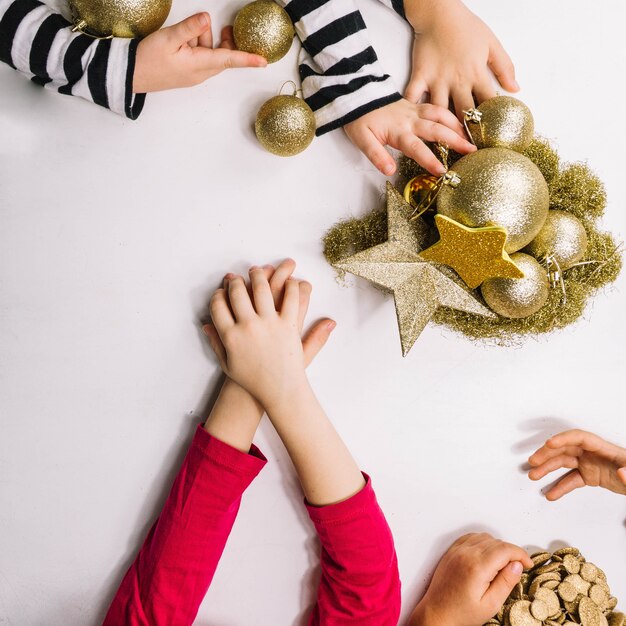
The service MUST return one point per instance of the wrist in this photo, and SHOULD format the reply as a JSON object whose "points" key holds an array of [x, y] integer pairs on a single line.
{"points": [[423, 14], [424, 615], [291, 395]]}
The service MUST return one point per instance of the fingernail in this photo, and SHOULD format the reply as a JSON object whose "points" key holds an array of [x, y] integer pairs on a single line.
{"points": [[331, 325], [517, 567], [516, 84], [204, 19], [205, 329], [389, 170], [253, 267]]}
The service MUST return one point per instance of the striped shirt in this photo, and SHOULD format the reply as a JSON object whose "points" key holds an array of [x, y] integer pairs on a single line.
{"points": [[341, 76]]}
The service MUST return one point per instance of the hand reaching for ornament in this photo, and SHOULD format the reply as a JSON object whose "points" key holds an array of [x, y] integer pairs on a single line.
{"points": [[471, 582], [405, 126], [183, 55], [454, 56], [592, 461]]}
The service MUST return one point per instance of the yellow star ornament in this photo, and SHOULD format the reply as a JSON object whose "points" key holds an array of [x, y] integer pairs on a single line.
{"points": [[419, 288], [474, 253]]}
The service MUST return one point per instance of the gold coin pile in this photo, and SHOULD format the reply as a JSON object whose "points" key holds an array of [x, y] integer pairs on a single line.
{"points": [[561, 589]]}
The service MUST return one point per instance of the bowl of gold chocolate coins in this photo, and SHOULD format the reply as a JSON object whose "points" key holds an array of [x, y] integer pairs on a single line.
{"points": [[561, 589]]}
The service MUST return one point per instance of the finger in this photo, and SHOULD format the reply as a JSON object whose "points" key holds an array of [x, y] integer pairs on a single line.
{"points": [[227, 39], [576, 437], [501, 65], [572, 480], [441, 115], [316, 339], [206, 39], [621, 474], [544, 454], [277, 282], [417, 150], [303, 304], [499, 553], [223, 59], [261, 292], [373, 149], [189, 29], [553, 464], [438, 133], [502, 585], [415, 89], [291, 299], [463, 101], [215, 342], [220, 312], [440, 96], [484, 91], [193, 43], [239, 298]]}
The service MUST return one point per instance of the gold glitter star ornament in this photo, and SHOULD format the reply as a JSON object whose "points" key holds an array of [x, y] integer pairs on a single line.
{"points": [[419, 287], [474, 253]]}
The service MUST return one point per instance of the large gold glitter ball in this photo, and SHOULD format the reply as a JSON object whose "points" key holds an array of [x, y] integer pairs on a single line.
{"points": [[120, 18], [505, 122], [498, 187], [285, 125], [518, 297], [262, 27], [562, 238]]}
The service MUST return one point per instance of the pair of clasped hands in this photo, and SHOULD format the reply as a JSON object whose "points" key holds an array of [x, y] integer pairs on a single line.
{"points": [[256, 334], [455, 56]]}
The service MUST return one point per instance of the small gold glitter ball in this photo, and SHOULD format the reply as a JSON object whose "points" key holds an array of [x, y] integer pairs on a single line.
{"points": [[506, 123], [498, 187], [262, 27], [418, 187], [285, 125], [562, 237], [120, 18], [518, 297]]}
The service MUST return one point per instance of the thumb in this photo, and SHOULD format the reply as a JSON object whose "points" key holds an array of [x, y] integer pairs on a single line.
{"points": [[621, 474], [189, 29], [316, 339], [502, 585]]}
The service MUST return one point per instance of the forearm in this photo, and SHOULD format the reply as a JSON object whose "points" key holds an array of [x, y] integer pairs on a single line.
{"points": [[325, 467], [235, 416]]}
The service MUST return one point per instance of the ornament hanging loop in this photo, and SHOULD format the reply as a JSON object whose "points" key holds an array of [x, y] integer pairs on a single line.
{"points": [[80, 26], [473, 116], [293, 84]]}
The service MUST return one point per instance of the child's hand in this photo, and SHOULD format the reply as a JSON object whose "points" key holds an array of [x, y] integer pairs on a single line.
{"points": [[183, 55], [452, 55], [592, 461], [471, 582], [260, 345], [404, 126]]}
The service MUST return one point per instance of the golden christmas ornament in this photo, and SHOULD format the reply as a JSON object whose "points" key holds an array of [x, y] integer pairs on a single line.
{"points": [[498, 187], [474, 253], [419, 187], [518, 297], [285, 125], [119, 18], [262, 27], [501, 122], [563, 239], [419, 288]]}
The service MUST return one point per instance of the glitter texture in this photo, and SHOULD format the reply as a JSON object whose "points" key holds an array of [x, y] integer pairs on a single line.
{"points": [[498, 187], [121, 18], [419, 287], [506, 122], [563, 237], [518, 297], [285, 125], [474, 253], [262, 27]]}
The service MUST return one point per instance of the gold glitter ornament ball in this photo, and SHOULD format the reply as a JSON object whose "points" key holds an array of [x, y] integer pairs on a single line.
{"points": [[285, 125], [120, 18], [506, 122], [262, 27], [498, 187], [562, 237], [518, 297]]}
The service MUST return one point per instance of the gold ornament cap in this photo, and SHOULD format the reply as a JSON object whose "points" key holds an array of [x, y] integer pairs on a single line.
{"points": [[119, 18], [262, 27]]}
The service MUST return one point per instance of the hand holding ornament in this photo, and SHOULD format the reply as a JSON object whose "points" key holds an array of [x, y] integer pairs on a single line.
{"points": [[471, 582], [592, 462], [455, 55], [406, 126], [183, 55]]}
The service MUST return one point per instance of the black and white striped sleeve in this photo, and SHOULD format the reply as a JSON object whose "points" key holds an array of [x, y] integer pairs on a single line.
{"points": [[342, 78], [40, 43]]}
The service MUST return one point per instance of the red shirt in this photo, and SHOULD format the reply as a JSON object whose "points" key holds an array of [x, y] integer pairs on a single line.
{"points": [[174, 568]]}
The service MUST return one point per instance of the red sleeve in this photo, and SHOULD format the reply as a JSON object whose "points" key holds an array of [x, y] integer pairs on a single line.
{"points": [[174, 568], [360, 583]]}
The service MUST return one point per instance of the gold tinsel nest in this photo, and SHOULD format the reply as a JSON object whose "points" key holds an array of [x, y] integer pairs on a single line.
{"points": [[574, 188]]}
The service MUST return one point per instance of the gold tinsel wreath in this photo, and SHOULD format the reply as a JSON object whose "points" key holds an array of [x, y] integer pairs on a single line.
{"points": [[573, 188]]}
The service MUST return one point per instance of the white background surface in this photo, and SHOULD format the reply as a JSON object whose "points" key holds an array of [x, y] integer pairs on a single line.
{"points": [[112, 235]]}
